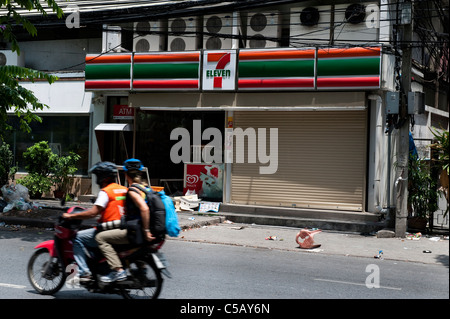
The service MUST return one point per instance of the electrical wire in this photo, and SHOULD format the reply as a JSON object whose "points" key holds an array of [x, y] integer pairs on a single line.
{"points": [[436, 43]]}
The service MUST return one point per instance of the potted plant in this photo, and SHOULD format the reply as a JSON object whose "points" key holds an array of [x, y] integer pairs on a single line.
{"points": [[62, 167], [38, 159], [422, 193]]}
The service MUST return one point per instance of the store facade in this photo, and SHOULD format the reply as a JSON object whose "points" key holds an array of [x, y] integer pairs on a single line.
{"points": [[274, 127]]}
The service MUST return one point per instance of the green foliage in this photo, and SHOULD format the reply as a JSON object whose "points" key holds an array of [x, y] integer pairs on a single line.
{"points": [[36, 184], [62, 167], [46, 169], [442, 147], [422, 189], [6, 164], [14, 97], [13, 17], [39, 159]]}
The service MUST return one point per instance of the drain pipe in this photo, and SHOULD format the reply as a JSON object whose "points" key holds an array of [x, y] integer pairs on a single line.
{"points": [[379, 208], [388, 177]]}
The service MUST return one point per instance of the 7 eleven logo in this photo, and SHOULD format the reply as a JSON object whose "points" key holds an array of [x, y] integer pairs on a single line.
{"points": [[219, 70]]}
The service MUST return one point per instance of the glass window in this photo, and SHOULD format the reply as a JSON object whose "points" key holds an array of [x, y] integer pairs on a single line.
{"points": [[153, 142], [63, 133]]}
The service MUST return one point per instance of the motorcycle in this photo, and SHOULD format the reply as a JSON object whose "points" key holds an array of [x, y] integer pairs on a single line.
{"points": [[52, 265]]}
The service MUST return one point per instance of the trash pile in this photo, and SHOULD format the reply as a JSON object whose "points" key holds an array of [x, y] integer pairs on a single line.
{"points": [[191, 202], [415, 236], [15, 196]]}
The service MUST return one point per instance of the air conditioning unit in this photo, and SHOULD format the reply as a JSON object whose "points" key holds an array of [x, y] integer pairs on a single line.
{"points": [[217, 31], [182, 34], [351, 23], [8, 57], [111, 38], [263, 30], [148, 36], [310, 25]]}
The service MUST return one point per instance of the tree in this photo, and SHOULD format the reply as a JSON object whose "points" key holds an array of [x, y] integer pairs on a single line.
{"points": [[13, 96]]}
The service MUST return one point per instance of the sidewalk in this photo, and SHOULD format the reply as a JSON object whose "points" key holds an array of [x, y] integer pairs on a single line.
{"points": [[216, 229], [429, 250]]}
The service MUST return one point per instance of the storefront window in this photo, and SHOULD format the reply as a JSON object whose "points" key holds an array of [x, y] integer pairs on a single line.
{"points": [[63, 133], [153, 142]]}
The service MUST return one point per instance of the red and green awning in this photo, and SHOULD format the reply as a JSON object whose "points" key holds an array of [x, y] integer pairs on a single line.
{"points": [[348, 68], [108, 72], [274, 69], [165, 71]]}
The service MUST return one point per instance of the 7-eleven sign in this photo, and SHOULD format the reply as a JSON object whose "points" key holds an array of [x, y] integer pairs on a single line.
{"points": [[219, 70]]}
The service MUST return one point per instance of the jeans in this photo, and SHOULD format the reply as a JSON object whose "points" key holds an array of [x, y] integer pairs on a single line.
{"points": [[84, 239]]}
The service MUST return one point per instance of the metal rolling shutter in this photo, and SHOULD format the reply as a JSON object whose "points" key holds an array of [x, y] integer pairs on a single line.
{"points": [[321, 161]]}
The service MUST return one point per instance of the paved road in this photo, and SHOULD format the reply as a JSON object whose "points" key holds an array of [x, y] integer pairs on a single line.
{"points": [[216, 271]]}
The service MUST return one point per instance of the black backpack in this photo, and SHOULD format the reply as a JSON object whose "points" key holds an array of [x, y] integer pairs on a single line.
{"points": [[157, 210]]}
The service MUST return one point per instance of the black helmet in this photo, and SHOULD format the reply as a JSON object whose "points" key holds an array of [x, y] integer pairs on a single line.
{"points": [[104, 171], [133, 165]]}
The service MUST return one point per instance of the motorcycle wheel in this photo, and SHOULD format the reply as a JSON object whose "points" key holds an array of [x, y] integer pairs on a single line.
{"points": [[148, 279], [45, 280]]}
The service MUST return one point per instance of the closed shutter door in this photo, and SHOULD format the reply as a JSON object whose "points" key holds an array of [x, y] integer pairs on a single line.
{"points": [[321, 161]]}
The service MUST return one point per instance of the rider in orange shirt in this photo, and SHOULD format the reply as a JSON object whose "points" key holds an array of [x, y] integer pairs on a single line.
{"points": [[110, 205]]}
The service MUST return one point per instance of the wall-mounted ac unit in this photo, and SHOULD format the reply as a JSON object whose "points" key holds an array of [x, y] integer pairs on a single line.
{"points": [[352, 25], [310, 25], [263, 30], [8, 57], [217, 30], [111, 38], [182, 34], [148, 36]]}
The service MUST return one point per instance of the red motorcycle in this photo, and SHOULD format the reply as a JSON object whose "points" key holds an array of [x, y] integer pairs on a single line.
{"points": [[52, 265]]}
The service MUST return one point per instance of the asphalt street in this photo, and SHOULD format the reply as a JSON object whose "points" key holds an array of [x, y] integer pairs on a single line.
{"points": [[212, 270]]}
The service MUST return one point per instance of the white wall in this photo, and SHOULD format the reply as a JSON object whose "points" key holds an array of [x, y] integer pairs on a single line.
{"points": [[64, 96]]}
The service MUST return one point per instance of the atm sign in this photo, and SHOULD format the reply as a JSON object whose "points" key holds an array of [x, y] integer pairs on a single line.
{"points": [[123, 112]]}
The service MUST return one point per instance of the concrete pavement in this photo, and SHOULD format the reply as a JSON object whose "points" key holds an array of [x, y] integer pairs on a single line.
{"points": [[423, 249], [217, 229]]}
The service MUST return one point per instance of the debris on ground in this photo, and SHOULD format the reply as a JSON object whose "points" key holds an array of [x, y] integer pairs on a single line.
{"points": [[305, 238], [379, 256], [415, 236]]}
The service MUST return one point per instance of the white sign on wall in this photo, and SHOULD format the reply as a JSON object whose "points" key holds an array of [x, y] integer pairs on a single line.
{"points": [[219, 70]]}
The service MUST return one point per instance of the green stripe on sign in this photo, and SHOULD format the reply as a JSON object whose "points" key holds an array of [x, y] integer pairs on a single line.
{"points": [[343, 67], [166, 71], [107, 71], [265, 69]]}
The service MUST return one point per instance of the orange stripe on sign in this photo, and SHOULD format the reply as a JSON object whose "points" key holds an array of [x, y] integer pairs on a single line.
{"points": [[183, 57], [277, 54], [108, 58], [348, 52], [215, 57]]}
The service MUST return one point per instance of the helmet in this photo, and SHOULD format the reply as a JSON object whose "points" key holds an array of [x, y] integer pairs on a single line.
{"points": [[103, 171], [132, 164]]}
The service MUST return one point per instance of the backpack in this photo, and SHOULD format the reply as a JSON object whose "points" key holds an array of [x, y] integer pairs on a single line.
{"points": [[157, 211], [171, 225]]}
